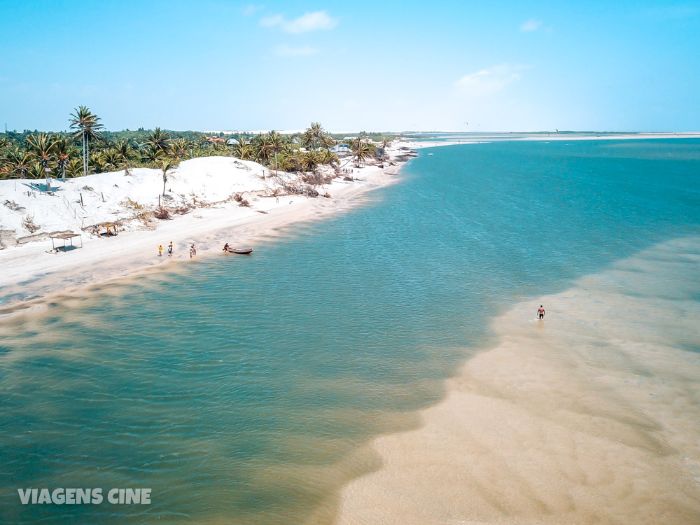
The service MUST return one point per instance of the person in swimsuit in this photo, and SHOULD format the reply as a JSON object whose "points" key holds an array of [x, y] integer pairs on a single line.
{"points": [[193, 251], [160, 250], [226, 248], [170, 248], [540, 312]]}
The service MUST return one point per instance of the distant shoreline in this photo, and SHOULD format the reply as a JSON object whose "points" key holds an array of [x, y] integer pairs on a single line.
{"points": [[477, 138]]}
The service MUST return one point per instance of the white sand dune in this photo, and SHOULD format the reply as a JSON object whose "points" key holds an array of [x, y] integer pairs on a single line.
{"points": [[76, 203], [592, 416]]}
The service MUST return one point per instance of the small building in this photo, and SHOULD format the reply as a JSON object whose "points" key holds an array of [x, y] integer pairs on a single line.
{"points": [[341, 150]]}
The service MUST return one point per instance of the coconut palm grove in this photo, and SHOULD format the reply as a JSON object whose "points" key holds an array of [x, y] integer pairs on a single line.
{"points": [[87, 147]]}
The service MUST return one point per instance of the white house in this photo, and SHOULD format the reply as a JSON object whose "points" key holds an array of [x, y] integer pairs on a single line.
{"points": [[341, 149]]}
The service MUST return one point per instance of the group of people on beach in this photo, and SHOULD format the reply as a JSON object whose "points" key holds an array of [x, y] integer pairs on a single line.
{"points": [[193, 250]]}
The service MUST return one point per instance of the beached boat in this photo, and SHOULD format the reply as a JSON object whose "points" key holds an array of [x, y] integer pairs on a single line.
{"points": [[241, 251]]}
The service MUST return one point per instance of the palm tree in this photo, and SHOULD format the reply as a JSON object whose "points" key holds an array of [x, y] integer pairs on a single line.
{"points": [[310, 160], [74, 167], [316, 137], [326, 157], [158, 140], [269, 145], [243, 149], [62, 150], [361, 149], [36, 171], [87, 125], [110, 159], [261, 147], [42, 145], [18, 162], [152, 154], [165, 165], [180, 148], [123, 151], [98, 162]]}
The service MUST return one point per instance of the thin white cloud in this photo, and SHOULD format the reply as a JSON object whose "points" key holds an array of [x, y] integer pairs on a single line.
{"points": [[314, 21], [489, 80], [251, 9], [528, 26], [295, 51]]}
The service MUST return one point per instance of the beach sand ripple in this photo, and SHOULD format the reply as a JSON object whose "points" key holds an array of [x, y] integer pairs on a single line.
{"points": [[592, 416]]}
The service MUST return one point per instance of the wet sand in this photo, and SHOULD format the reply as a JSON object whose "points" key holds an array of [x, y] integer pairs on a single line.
{"points": [[590, 416]]}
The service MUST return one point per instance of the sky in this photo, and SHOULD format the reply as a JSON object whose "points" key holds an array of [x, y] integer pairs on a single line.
{"points": [[352, 65]]}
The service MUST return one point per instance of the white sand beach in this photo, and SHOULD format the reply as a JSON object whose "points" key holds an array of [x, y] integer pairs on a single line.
{"points": [[203, 188], [590, 416]]}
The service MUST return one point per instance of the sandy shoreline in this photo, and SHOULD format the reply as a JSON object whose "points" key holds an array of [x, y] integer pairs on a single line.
{"points": [[31, 274], [592, 416]]}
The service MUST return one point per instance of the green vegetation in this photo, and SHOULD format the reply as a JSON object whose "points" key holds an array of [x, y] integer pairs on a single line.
{"points": [[88, 148], [87, 125]]}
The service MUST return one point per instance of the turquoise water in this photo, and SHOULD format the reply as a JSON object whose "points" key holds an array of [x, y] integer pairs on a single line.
{"points": [[241, 390]]}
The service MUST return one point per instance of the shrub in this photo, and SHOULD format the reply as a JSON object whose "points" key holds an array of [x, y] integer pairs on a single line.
{"points": [[29, 225], [181, 210], [162, 214], [316, 178], [132, 204], [144, 217]]}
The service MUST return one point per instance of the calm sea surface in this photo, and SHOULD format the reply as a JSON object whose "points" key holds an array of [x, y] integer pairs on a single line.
{"points": [[242, 390]]}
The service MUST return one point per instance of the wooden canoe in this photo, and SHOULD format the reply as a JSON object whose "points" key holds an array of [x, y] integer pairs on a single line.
{"points": [[241, 251]]}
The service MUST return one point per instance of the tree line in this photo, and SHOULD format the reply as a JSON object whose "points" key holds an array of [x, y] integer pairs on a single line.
{"points": [[88, 148]]}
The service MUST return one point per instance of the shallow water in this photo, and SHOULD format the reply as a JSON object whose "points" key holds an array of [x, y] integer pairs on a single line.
{"points": [[589, 416], [243, 389]]}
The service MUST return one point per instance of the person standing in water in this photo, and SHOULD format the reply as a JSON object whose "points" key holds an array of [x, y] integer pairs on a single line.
{"points": [[193, 251], [160, 250], [170, 248], [540, 312]]}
